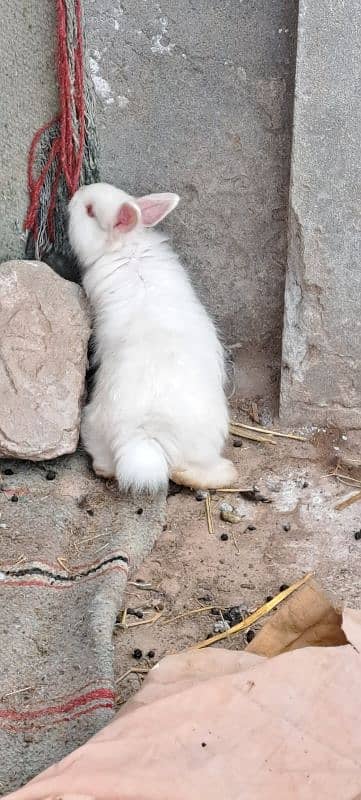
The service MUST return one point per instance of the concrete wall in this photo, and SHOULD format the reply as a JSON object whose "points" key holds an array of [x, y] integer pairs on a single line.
{"points": [[196, 96], [193, 95], [321, 375]]}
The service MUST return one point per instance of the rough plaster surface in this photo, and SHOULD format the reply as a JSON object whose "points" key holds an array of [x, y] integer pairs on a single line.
{"points": [[197, 97], [321, 375], [28, 100], [44, 332]]}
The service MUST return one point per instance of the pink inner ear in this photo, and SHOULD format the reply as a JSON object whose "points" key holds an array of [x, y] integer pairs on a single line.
{"points": [[126, 218], [154, 207]]}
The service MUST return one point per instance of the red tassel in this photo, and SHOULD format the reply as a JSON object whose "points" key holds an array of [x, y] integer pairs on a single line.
{"points": [[68, 148]]}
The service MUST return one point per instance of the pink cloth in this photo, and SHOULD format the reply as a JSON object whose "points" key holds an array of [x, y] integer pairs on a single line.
{"points": [[223, 725]]}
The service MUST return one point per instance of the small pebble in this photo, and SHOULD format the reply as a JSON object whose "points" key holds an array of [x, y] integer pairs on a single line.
{"points": [[8, 471], [137, 654], [90, 512], [206, 598], [235, 614], [237, 443], [250, 635], [200, 495], [221, 626], [230, 516], [269, 598], [14, 498], [224, 537], [226, 507], [251, 528], [284, 587], [140, 512], [204, 744], [50, 475], [358, 535], [151, 654], [287, 527]]}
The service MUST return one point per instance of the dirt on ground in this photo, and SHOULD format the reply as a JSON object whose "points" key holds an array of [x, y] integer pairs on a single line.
{"points": [[241, 564]]}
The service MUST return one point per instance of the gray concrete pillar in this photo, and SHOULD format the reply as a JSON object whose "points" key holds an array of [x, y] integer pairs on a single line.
{"points": [[321, 370]]}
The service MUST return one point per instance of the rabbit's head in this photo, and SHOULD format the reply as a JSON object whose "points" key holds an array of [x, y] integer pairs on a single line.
{"points": [[102, 217]]}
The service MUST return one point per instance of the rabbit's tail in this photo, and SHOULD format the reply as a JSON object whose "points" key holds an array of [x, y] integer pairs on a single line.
{"points": [[142, 466]]}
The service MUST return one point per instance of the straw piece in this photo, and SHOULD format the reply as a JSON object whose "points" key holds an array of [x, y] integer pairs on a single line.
{"points": [[347, 479], [348, 502], [267, 431], [150, 621], [20, 560], [209, 514], [124, 616], [62, 563], [135, 670], [261, 612], [18, 691], [247, 434], [230, 490], [184, 614]]}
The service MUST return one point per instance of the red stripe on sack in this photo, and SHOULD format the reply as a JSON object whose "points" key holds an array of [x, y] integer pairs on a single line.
{"points": [[101, 683], [14, 490], [70, 705], [34, 727]]}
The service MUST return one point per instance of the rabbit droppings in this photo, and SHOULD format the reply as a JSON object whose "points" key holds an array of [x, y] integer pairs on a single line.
{"points": [[158, 407]]}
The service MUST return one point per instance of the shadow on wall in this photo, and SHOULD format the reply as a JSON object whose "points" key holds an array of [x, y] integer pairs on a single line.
{"points": [[197, 97]]}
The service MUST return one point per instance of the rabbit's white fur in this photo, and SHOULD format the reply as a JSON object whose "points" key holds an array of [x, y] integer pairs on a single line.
{"points": [[158, 408]]}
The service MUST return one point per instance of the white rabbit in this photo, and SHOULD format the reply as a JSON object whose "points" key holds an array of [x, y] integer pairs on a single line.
{"points": [[158, 408]]}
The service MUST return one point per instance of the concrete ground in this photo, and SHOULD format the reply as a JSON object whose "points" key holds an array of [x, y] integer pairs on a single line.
{"points": [[299, 531]]}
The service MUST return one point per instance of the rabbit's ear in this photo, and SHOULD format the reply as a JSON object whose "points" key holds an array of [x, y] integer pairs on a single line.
{"points": [[126, 218], [154, 207]]}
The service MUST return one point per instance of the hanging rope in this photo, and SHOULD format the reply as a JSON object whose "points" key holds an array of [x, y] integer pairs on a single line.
{"points": [[64, 152]]}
